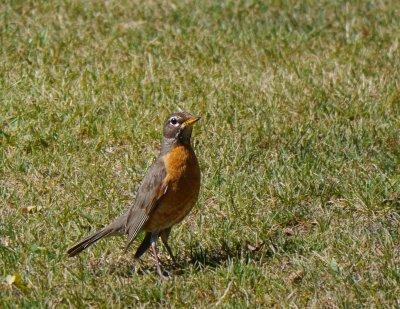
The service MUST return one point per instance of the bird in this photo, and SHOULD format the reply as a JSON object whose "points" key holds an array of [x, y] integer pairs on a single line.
{"points": [[165, 196]]}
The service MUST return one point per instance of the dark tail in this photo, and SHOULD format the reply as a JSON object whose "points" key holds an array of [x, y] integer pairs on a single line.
{"points": [[88, 241], [114, 228], [143, 246]]}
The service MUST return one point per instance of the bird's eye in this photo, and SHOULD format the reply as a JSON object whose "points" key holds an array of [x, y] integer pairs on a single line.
{"points": [[173, 121]]}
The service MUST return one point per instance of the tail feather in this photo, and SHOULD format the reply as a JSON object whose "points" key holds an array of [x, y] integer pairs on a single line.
{"points": [[143, 246], [86, 242], [115, 227]]}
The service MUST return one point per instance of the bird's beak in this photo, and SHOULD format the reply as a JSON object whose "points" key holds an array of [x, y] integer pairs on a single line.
{"points": [[191, 121]]}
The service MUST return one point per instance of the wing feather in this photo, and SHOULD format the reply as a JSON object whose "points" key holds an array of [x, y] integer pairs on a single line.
{"points": [[152, 188]]}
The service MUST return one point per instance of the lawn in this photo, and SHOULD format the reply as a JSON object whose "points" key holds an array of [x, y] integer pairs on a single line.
{"points": [[299, 147]]}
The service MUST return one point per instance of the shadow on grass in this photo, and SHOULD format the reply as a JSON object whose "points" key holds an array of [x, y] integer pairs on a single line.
{"points": [[216, 256], [196, 257]]}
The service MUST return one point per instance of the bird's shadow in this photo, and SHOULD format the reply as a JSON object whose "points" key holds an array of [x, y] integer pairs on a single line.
{"points": [[213, 257], [198, 258]]}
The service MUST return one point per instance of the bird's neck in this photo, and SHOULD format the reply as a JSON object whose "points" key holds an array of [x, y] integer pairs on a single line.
{"points": [[169, 144]]}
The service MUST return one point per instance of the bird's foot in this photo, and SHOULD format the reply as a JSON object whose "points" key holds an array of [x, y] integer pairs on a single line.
{"points": [[163, 274]]}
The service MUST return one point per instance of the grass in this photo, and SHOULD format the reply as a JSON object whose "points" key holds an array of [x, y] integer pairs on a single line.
{"points": [[299, 148]]}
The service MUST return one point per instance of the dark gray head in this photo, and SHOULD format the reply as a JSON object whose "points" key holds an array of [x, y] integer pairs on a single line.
{"points": [[178, 128]]}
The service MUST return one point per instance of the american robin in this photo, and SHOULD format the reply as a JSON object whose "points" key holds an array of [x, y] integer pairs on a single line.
{"points": [[166, 195]]}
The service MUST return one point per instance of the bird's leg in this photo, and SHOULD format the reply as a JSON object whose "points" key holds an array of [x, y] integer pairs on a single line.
{"points": [[164, 237], [170, 253], [153, 240]]}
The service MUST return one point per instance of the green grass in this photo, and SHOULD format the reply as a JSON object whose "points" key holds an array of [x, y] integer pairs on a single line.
{"points": [[299, 147]]}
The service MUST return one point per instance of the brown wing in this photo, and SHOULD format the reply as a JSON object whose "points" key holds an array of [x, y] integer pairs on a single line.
{"points": [[152, 188]]}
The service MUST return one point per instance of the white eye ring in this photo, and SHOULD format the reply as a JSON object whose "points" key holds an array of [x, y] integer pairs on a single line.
{"points": [[174, 121]]}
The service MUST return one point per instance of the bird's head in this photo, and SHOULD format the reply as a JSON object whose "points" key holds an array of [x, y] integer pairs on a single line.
{"points": [[178, 127]]}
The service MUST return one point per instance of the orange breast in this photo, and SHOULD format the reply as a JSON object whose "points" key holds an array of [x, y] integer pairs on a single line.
{"points": [[183, 180]]}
